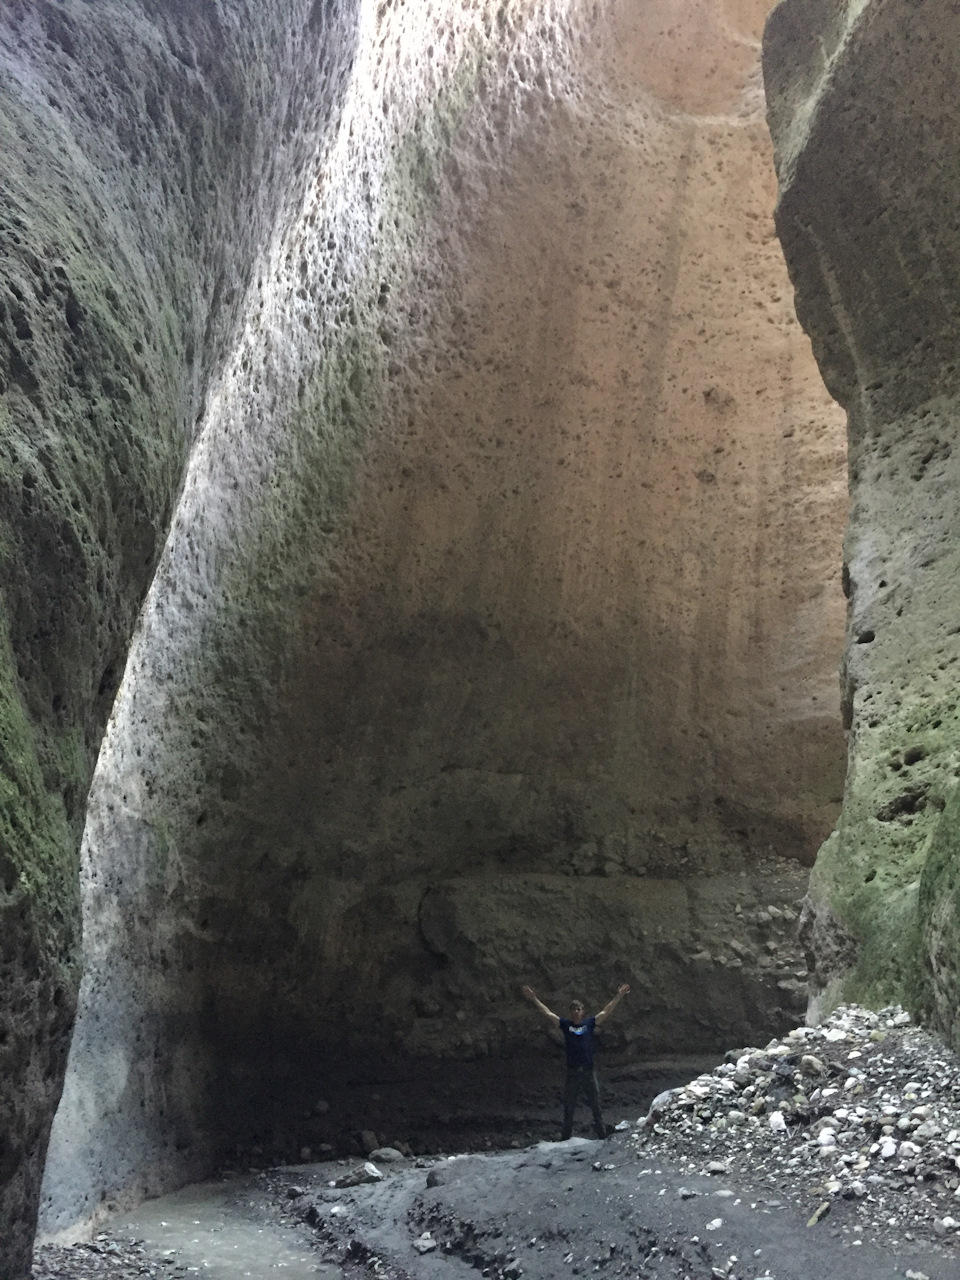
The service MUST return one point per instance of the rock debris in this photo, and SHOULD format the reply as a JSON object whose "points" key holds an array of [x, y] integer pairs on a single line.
{"points": [[833, 1150], [106, 1256], [864, 1108]]}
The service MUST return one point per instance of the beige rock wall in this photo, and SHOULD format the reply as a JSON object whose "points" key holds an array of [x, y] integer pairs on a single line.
{"points": [[587, 588], [503, 588]]}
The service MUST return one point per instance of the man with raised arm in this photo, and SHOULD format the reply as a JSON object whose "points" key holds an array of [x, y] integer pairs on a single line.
{"points": [[578, 1041]]}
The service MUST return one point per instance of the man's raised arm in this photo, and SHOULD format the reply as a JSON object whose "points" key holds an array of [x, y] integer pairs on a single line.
{"points": [[622, 990], [535, 999]]}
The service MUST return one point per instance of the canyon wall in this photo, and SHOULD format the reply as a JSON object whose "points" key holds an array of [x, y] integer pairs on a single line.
{"points": [[450, 349], [868, 216], [141, 178], [496, 635]]}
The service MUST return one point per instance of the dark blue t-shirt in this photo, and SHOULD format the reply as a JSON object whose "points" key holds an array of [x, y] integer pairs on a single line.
{"points": [[579, 1041]]}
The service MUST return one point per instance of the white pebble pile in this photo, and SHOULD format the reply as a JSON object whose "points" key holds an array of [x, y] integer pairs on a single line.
{"points": [[865, 1108]]}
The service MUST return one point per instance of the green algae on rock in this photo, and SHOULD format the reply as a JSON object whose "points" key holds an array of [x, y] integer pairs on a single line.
{"points": [[875, 271]]}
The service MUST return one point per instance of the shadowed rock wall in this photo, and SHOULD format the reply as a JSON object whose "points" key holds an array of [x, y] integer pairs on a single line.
{"points": [[141, 180], [862, 108], [495, 636]]}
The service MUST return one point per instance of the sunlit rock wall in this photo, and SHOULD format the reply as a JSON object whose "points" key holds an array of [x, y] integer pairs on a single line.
{"points": [[863, 113], [496, 634], [146, 151]]}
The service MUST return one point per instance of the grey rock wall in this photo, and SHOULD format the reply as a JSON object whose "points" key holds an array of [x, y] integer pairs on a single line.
{"points": [[147, 149], [864, 117]]}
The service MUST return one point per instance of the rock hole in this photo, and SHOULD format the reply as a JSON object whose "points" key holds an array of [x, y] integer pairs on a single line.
{"points": [[23, 376], [913, 754], [73, 312], [21, 326], [904, 805], [317, 18], [866, 637], [871, 875]]}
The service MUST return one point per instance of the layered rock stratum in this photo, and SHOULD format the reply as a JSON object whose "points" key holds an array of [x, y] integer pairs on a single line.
{"points": [[430, 375], [867, 217]]}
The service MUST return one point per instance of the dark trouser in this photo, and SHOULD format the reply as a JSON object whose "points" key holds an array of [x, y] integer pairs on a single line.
{"points": [[581, 1083]]}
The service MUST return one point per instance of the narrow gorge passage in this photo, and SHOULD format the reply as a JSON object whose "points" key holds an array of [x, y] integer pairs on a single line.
{"points": [[513, 656], [422, 522]]}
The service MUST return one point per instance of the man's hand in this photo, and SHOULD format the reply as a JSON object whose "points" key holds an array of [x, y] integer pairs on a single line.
{"points": [[622, 990]]}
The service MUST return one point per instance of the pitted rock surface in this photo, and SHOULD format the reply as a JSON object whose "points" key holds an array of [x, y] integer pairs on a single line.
{"points": [[454, 611], [423, 381], [140, 186], [870, 264]]}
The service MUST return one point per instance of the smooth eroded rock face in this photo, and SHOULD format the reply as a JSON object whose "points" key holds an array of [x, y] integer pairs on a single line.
{"points": [[861, 107], [494, 636]]}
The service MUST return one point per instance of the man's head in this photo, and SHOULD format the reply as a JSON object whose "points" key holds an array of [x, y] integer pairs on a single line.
{"points": [[576, 1012]]}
